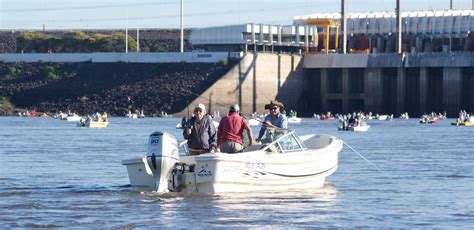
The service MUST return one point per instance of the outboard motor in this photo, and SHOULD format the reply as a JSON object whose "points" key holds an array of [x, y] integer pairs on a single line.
{"points": [[162, 155]]}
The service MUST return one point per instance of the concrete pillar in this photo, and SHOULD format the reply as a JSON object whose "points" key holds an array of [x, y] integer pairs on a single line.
{"points": [[452, 89], [423, 97], [399, 27], [324, 92], [306, 36], [252, 38], [270, 36], [315, 37], [380, 44], [345, 91], [260, 38], [401, 86], [279, 35], [254, 84], [373, 90], [419, 44], [297, 34]]}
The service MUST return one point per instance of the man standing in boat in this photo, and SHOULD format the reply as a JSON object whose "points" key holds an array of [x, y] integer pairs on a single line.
{"points": [[230, 134], [200, 132], [274, 123]]}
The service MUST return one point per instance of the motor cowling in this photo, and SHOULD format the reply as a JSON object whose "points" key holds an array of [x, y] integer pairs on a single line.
{"points": [[162, 155]]}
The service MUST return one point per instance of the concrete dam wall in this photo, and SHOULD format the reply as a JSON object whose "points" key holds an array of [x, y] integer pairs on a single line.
{"points": [[379, 83], [390, 83], [253, 82]]}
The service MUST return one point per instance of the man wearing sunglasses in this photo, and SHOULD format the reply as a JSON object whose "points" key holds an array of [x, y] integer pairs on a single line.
{"points": [[275, 123], [200, 132]]}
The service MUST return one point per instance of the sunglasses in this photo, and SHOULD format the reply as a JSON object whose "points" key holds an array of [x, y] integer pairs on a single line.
{"points": [[274, 108], [197, 110]]}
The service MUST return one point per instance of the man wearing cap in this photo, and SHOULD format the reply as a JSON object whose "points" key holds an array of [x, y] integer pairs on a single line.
{"points": [[272, 122], [230, 133], [200, 132]]}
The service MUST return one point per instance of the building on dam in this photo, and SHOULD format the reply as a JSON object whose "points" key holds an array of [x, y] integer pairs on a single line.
{"points": [[433, 72]]}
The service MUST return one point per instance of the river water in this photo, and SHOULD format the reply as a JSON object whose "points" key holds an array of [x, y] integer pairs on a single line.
{"points": [[54, 174]]}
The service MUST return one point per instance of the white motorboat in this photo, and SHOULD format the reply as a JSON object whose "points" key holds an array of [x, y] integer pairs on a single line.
{"points": [[288, 162], [73, 117], [294, 120], [382, 117], [132, 115], [359, 128]]}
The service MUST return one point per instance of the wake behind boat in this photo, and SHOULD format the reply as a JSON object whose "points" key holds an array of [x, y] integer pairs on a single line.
{"points": [[358, 128], [287, 162]]}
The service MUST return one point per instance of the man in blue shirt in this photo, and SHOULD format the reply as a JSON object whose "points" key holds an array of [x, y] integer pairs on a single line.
{"points": [[275, 123]]}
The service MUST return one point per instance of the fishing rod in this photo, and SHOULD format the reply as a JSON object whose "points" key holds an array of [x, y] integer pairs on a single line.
{"points": [[244, 115], [370, 162]]}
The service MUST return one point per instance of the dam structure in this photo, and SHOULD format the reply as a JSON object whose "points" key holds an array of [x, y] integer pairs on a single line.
{"points": [[304, 66], [313, 65]]}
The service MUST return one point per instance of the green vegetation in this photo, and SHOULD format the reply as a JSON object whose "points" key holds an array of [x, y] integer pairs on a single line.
{"points": [[13, 71], [222, 62], [158, 48], [83, 99], [50, 73], [5, 102], [73, 41]]}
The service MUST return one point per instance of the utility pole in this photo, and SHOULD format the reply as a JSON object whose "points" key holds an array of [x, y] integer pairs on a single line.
{"points": [[182, 30], [344, 26], [451, 4], [138, 32], [126, 32], [399, 28]]}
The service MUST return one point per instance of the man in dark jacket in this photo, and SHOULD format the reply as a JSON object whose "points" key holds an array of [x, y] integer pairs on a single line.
{"points": [[200, 132]]}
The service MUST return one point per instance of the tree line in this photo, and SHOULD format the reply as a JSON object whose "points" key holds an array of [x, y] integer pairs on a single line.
{"points": [[73, 42]]}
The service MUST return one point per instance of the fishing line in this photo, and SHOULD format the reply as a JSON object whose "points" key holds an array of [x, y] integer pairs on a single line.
{"points": [[370, 162]]}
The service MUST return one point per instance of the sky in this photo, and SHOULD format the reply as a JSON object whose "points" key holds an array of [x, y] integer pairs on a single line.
{"points": [[119, 14]]}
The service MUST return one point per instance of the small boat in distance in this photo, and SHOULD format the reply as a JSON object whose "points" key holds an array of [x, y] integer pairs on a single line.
{"points": [[359, 128], [254, 122], [294, 120], [93, 124], [96, 121]]}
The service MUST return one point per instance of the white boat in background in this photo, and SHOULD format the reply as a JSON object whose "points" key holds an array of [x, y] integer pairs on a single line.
{"points": [[254, 122], [360, 128], [73, 117], [404, 116], [382, 117], [288, 162], [294, 120]]}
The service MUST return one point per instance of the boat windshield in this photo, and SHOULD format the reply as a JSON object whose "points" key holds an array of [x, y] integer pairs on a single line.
{"points": [[285, 144]]}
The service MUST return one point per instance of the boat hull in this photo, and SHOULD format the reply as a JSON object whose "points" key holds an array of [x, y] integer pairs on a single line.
{"points": [[94, 124], [248, 171], [467, 123]]}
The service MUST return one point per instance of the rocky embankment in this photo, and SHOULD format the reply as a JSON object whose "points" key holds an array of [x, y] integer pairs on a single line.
{"points": [[114, 88]]}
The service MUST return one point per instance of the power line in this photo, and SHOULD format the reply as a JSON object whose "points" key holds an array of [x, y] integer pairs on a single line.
{"points": [[174, 15], [43, 9]]}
